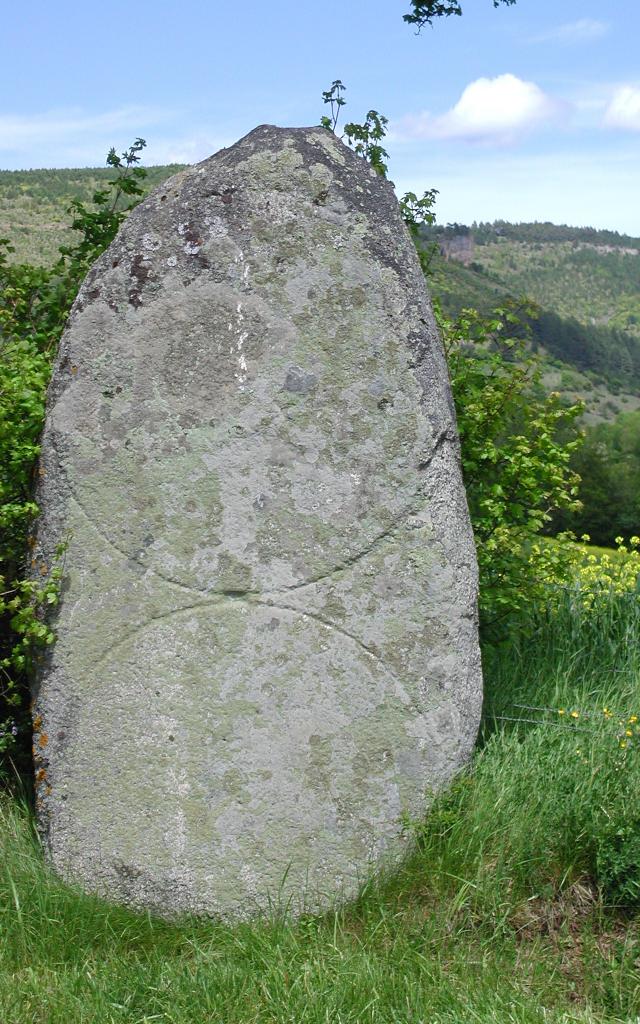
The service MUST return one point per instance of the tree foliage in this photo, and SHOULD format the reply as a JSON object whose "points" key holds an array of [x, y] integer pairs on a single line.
{"points": [[423, 12], [516, 445], [34, 306], [366, 140], [609, 465]]}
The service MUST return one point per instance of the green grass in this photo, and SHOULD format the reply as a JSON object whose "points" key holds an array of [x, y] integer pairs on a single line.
{"points": [[513, 907]]}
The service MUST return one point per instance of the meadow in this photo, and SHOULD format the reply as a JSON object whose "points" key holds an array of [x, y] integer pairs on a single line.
{"points": [[518, 904]]}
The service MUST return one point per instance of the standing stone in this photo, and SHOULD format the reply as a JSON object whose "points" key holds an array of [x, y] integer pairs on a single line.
{"points": [[267, 645]]}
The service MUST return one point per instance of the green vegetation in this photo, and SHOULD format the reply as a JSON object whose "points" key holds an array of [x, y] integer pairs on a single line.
{"points": [[34, 306], [516, 906], [576, 676], [609, 464], [423, 12], [518, 903], [516, 447], [34, 207]]}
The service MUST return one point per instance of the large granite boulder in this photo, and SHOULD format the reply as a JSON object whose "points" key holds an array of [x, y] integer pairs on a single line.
{"points": [[267, 647]]}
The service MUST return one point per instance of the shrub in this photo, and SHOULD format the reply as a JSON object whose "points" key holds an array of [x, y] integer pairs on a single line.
{"points": [[516, 447], [34, 306]]}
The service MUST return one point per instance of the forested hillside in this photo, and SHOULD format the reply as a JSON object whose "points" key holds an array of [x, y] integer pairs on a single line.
{"points": [[34, 206], [592, 276], [586, 284], [596, 284]]}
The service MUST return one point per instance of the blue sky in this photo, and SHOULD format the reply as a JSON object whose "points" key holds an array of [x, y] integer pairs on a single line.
{"points": [[522, 113]]}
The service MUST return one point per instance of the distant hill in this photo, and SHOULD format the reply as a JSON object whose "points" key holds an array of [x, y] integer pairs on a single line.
{"points": [[34, 206], [545, 231], [592, 276], [585, 281]]}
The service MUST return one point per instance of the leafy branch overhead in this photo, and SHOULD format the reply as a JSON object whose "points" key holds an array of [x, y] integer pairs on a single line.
{"points": [[424, 11]]}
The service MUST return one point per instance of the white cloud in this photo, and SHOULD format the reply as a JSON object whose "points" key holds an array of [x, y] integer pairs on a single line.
{"points": [[585, 30], [623, 110], [490, 109]]}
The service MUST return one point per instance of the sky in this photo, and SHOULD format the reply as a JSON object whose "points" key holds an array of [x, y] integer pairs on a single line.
{"points": [[521, 113]]}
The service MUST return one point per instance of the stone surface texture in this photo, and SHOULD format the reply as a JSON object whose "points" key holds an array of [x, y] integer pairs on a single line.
{"points": [[267, 642]]}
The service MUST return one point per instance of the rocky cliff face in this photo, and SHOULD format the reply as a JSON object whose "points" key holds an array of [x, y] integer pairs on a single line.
{"points": [[458, 247]]}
